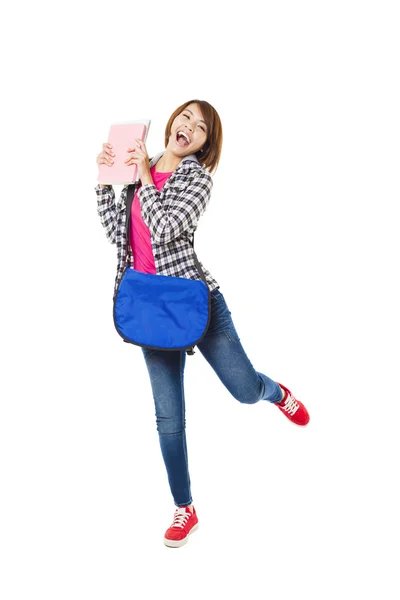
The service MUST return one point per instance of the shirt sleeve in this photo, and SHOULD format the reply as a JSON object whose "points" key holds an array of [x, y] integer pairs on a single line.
{"points": [[107, 210], [183, 212]]}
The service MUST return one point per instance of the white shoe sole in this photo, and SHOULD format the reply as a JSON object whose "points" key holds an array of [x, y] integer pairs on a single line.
{"points": [[178, 543]]}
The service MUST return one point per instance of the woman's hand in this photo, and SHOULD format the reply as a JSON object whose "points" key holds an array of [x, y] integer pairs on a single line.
{"points": [[140, 158], [105, 156]]}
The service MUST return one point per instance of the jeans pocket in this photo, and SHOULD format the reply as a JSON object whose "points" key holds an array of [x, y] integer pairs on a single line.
{"points": [[221, 318], [215, 294]]}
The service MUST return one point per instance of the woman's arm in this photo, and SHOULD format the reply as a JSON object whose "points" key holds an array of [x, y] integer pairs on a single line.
{"points": [[183, 213]]}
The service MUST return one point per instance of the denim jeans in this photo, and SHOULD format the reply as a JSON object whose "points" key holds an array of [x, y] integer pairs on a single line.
{"points": [[222, 349]]}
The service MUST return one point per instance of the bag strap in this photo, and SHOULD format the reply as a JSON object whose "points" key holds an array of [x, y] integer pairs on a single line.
{"points": [[129, 199]]}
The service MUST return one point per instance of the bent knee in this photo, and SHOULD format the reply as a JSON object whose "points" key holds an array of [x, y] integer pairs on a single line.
{"points": [[244, 396], [170, 425]]}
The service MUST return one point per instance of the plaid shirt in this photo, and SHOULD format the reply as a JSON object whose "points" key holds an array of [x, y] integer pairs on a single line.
{"points": [[171, 215]]}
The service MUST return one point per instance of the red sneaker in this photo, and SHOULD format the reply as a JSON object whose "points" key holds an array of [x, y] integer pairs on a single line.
{"points": [[185, 522], [292, 408]]}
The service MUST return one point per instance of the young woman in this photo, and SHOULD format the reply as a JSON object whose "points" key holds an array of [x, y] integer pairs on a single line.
{"points": [[173, 192]]}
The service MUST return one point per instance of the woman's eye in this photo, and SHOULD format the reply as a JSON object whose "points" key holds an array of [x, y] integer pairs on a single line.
{"points": [[199, 125]]}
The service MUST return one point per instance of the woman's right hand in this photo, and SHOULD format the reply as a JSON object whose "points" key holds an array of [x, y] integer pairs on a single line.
{"points": [[105, 157]]}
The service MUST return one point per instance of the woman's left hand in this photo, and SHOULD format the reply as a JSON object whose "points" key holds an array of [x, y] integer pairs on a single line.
{"points": [[140, 158]]}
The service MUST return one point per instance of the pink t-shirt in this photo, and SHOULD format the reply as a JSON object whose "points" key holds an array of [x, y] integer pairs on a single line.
{"points": [[140, 238]]}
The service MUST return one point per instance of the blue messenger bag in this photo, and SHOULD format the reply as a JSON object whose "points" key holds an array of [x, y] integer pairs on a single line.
{"points": [[160, 312]]}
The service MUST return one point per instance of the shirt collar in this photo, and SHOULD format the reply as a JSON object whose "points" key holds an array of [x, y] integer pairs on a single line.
{"points": [[189, 157]]}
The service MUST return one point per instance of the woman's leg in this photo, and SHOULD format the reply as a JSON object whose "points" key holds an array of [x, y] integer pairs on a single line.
{"points": [[166, 369], [222, 348]]}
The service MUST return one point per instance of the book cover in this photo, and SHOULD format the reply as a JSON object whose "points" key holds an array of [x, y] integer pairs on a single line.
{"points": [[121, 137]]}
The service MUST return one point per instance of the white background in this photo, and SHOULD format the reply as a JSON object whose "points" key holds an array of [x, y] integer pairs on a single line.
{"points": [[302, 236]]}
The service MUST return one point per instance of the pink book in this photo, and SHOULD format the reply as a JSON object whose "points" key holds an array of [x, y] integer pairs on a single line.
{"points": [[121, 137]]}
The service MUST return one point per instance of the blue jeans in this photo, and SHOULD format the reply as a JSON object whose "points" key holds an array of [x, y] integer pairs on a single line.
{"points": [[221, 347]]}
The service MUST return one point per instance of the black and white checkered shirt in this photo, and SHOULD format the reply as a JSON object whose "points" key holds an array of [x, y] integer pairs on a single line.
{"points": [[171, 215]]}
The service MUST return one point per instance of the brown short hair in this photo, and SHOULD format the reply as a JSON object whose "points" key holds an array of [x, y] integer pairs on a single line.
{"points": [[210, 156]]}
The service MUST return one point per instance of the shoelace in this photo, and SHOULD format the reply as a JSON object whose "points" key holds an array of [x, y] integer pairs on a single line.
{"points": [[180, 518], [290, 405]]}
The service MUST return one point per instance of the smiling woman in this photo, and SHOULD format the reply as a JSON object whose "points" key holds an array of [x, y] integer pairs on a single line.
{"points": [[173, 192]]}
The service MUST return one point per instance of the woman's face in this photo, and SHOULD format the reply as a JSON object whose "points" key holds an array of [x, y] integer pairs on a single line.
{"points": [[190, 122]]}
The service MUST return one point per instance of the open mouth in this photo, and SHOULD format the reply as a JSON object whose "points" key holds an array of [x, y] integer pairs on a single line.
{"points": [[182, 139]]}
